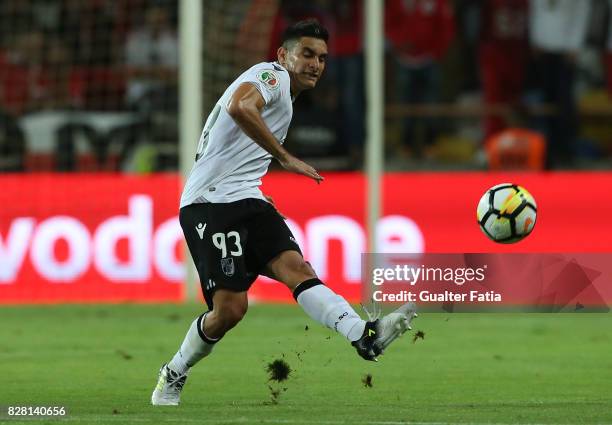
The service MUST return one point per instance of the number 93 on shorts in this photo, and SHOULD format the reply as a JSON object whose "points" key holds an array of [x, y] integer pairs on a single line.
{"points": [[231, 243]]}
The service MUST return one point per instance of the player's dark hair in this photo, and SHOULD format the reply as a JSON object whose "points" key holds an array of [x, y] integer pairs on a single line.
{"points": [[306, 28]]}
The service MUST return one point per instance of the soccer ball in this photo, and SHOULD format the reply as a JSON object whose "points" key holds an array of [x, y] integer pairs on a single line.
{"points": [[506, 213]]}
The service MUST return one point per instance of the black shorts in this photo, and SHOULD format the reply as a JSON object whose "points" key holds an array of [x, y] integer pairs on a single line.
{"points": [[231, 243]]}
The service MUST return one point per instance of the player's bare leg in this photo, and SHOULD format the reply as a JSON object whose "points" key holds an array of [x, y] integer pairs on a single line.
{"points": [[228, 310], [290, 268], [330, 309], [205, 331]]}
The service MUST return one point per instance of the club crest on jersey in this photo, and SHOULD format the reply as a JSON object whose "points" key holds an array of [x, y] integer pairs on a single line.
{"points": [[269, 78], [227, 265]]}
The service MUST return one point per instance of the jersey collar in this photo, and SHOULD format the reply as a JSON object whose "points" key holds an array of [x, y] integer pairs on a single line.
{"points": [[277, 66]]}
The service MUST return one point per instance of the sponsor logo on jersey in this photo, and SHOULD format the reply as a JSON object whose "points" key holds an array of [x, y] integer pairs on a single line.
{"points": [[200, 229], [227, 265], [269, 78]]}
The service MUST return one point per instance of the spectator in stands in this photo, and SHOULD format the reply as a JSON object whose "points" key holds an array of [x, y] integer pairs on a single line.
{"points": [[151, 56], [420, 33], [35, 74], [24, 83], [346, 62], [87, 28], [557, 32], [502, 56], [58, 64], [17, 17], [259, 25]]}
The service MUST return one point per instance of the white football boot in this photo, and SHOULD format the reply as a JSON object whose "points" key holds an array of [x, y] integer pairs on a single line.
{"points": [[380, 333], [168, 389]]}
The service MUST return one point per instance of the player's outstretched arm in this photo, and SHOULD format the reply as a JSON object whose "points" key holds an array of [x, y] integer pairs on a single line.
{"points": [[245, 107]]}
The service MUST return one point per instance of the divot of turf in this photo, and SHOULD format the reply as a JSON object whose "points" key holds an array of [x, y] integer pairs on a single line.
{"points": [[367, 380], [124, 355], [279, 370]]}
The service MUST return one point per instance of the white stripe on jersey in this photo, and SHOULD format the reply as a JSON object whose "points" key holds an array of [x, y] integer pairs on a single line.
{"points": [[229, 165]]}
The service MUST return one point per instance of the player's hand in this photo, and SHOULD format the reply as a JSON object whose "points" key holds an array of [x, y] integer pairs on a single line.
{"points": [[291, 163], [271, 201]]}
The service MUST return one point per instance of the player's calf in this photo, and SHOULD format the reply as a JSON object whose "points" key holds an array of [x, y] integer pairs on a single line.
{"points": [[229, 308], [172, 376], [223, 318]]}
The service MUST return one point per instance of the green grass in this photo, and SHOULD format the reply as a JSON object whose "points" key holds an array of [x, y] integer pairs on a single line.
{"points": [[101, 363]]}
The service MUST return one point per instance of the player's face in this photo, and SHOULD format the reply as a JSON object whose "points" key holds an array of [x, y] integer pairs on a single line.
{"points": [[305, 61]]}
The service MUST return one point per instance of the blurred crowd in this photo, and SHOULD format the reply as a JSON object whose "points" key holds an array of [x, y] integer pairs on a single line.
{"points": [[469, 83], [475, 83], [92, 54], [95, 57]]}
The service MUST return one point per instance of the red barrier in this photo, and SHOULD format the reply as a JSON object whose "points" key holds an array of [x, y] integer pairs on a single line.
{"points": [[434, 212], [114, 238], [89, 238]]}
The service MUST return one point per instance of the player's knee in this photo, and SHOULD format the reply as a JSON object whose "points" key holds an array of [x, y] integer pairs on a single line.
{"points": [[312, 271], [305, 269], [299, 272]]}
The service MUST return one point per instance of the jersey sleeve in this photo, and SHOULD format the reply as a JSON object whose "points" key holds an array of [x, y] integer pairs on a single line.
{"points": [[267, 81]]}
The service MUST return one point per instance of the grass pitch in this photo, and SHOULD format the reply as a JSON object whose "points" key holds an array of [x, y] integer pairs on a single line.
{"points": [[101, 363]]}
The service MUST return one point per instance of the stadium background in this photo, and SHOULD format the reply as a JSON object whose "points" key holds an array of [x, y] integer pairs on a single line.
{"points": [[89, 98], [90, 180]]}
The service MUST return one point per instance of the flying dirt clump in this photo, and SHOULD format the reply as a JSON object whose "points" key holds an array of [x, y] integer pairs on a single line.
{"points": [[279, 370]]}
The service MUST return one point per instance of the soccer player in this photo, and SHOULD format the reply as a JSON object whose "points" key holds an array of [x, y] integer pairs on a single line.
{"points": [[234, 232]]}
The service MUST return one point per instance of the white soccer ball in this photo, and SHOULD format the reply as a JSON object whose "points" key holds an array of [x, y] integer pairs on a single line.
{"points": [[506, 213]]}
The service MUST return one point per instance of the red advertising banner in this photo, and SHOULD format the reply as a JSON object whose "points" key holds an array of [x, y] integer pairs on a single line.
{"points": [[433, 213], [89, 238], [115, 238]]}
